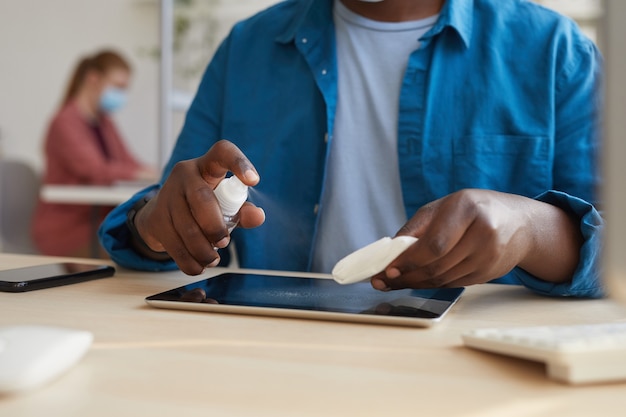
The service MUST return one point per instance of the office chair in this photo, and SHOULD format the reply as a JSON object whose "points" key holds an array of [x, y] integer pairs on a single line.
{"points": [[19, 191]]}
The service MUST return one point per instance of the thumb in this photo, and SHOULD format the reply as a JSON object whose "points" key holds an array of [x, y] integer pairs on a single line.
{"points": [[225, 156]]}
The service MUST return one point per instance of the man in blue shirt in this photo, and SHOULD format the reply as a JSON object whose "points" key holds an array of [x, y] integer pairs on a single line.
{"points": [[481, 142]]}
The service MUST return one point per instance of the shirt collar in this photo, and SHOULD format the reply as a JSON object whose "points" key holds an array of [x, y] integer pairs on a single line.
{"points": [[456, 14], [310, 13]]}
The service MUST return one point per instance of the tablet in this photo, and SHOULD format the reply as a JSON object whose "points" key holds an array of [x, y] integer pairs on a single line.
{"points": [[309, 298]]}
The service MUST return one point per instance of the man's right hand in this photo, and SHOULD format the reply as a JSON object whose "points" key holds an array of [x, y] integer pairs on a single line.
{"points": [[184, 219]]}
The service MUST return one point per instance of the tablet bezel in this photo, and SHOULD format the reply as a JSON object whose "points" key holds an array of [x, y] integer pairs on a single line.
{"points": [[283, 312]]}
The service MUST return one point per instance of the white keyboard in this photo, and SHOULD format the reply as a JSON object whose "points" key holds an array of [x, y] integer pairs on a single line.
{"points": [[574, 354]]}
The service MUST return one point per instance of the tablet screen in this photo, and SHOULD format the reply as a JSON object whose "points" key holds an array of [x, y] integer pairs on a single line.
{"points": [[310, 294]]}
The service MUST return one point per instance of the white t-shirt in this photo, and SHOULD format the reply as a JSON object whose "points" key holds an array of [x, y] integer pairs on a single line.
{"points": [[362, 199]]}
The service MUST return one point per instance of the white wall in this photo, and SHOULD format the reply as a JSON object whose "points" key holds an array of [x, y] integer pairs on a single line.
{"points": [[41, 41]]}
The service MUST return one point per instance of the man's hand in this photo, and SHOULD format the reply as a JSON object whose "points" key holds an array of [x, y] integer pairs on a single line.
{"points": [[184, 219], [474, 236]]}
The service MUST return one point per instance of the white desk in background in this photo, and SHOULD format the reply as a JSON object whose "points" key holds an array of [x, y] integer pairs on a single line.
{"points": [[152, 362], [97, 195]]}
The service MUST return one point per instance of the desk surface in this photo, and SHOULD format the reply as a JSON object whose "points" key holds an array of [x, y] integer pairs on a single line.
{"points": [[89, 194], [153, 362]]}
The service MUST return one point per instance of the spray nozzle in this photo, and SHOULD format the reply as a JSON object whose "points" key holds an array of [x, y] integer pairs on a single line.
{"points": [[231, 193]]}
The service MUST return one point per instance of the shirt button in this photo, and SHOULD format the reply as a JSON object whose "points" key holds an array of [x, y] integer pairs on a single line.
{"points": [[324, 71], [316, 209], [304, 40]]}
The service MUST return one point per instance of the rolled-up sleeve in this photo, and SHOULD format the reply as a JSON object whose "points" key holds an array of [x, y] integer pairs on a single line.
{"points": [[586, 281], [115, 238]]}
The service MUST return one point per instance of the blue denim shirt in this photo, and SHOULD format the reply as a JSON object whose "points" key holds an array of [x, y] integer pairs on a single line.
{"points": [[501, 95]]}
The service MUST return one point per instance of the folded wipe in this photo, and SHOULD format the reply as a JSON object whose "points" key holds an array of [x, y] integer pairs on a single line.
{"points": [[371, 259]]}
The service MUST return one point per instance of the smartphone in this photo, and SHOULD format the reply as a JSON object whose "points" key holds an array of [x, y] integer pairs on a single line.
{"points": [[308, 297], [51, 275]]}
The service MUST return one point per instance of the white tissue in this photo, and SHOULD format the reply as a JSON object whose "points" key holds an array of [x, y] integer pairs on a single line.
{"points": [[371, 259]]}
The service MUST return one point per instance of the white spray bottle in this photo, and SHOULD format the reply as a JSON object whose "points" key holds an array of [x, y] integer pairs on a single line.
{"points": [[231, 193]]}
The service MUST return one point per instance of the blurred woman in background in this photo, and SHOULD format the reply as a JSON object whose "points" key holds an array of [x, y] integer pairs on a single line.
{"points": [[83, 147]]}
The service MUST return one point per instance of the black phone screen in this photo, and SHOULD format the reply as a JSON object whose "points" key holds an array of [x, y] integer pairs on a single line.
{"points": [[51, 275]]}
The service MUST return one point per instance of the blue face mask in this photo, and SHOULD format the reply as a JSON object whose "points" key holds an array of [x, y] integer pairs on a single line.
{"points": [[112, 99]]}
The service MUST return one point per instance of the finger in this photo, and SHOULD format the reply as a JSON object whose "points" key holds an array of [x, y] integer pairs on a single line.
{"points": [[470, 279], [204, 212], [379, 283], [473, 253], [421, 279], [472, 261], [406, 263], [251, 216], [174, 246], [192, 247], [225, 156], [449, 222], [194, 240], [212, 223], [188, 192]]}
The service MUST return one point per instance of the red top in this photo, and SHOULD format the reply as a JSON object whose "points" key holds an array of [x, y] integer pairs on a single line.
{"points": [[75, 155]]}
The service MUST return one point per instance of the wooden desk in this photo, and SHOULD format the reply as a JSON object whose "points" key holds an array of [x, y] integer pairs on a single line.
{"points": [[151, 362]]}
